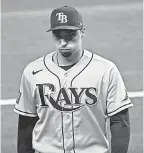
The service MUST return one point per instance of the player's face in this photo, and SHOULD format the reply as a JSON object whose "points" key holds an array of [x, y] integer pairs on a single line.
{"points": [[68, 42]]}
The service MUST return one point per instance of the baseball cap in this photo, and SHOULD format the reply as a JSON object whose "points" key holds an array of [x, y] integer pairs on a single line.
{"points": [[65, 17]]}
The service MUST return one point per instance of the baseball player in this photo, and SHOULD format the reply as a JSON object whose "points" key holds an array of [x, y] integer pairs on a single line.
{"points": [[67, 97]]}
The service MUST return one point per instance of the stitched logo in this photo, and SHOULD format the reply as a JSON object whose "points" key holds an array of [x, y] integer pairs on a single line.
{"points": [[67, 99], [18, 99], [62, 17], [35, 72]]}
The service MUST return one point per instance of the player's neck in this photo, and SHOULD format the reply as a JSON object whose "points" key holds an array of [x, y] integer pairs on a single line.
{"points": [[64, 61]]}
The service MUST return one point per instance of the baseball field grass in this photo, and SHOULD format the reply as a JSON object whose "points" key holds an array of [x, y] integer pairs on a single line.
{"points": [[113, 30]]}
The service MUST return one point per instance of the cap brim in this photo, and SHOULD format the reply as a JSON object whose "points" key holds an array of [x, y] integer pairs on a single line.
{"points": [[64, 27]]}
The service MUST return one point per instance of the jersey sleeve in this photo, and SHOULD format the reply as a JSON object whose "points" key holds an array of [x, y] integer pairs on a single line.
{"points": [[24, 104], [117, 96]]}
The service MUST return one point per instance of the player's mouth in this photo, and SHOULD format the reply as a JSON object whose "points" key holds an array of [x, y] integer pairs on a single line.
{"points": [[65, 52]]}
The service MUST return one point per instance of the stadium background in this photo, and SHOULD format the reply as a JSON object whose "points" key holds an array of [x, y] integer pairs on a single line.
{"points": [[114, 31]]}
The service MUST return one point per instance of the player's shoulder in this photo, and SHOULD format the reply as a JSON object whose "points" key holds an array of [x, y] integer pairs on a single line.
{"points": [[36, 65], [97, 59]]}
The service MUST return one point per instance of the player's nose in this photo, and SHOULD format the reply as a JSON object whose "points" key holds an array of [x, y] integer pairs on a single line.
{"points": [[63, 42]]}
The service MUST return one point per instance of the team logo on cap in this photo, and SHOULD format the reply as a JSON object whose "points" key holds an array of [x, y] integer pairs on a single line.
{"points": [[62, 17]]}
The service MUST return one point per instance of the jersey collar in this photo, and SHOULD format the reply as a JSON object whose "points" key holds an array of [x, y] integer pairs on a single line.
{"points": [[75, 70]]}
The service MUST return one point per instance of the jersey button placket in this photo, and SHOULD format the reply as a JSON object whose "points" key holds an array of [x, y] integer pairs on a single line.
{"points": [[68, 131], [68, 117], [65, 80], [66, 74], [69, 136]]}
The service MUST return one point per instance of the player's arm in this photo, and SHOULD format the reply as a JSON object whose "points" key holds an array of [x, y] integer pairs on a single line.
{"points": [[120, 132], [26, 108], [25, 128], [118, 104]]}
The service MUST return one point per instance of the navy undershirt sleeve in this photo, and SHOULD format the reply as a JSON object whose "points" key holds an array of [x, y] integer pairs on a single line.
{"points": [[120, 132], [25, 128]]}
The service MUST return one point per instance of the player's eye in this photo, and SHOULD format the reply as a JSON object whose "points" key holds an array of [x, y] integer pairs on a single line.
{"points": [[57, 36], [67, 35]]}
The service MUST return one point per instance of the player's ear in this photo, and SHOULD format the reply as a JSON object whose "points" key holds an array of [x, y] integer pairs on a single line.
{"points": [[83, 31]]}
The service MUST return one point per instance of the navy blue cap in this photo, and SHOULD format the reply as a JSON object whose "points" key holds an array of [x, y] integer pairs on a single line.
{"points": [[66, 17]]}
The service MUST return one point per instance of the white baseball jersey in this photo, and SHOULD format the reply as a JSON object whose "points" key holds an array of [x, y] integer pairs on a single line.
{"points": [[74, 105]]}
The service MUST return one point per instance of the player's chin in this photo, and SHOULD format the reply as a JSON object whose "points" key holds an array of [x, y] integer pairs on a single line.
{"points": [[65, 52]]}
